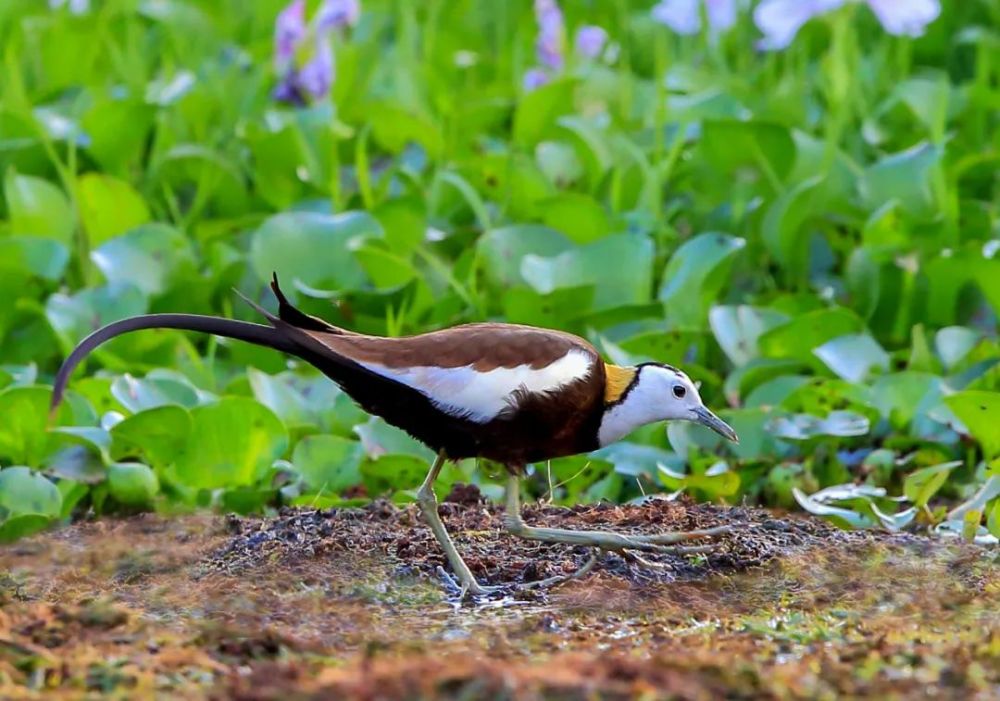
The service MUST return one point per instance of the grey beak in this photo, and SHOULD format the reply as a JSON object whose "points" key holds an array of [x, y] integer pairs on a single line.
{"points": [[707, 418]]}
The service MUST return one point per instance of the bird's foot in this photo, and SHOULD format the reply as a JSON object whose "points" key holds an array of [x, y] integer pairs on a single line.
{"points": [[610, 540], [475, 590]]}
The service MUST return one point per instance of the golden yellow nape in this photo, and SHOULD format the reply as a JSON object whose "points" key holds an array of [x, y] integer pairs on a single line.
{"points": [[618, 380]]}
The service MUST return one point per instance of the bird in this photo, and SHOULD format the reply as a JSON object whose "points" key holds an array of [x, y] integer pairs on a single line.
{"points": [[509, 393]]}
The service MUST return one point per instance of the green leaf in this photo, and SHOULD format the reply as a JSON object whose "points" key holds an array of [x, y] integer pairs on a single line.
{"points": [[45, 258], [538, 111], [17, 527], [502, 250], [853, 357], [156, 435], [905, 177], [737, 329], [798, 337], [23, 491], [695, 275], [132, 483], [393, 472], [76, 317], [980, 412], [147, 257], [782, 228], [312, 249], [582, 218], [38, 208], [328, 464], [728, 145], [108, 206], [920, 485], [629, 281], [404, 221], [140, 394], [233, 443], [24, 436]]}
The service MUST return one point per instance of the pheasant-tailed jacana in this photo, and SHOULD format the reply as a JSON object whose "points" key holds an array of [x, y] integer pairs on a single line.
{"points": [[509, 393]]}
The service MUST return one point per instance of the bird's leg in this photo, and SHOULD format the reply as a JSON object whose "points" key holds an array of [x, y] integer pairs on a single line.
{"points": [[429, 508], [605, 540]]}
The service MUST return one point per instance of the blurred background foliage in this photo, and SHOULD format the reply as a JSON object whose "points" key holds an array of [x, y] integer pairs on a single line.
{"points": [[810, 227]]}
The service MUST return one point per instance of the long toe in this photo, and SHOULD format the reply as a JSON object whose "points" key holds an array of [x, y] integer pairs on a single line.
{"points": [[681, 536]]}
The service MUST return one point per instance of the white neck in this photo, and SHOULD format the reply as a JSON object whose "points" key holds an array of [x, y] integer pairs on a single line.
{"points": [[650, 399]]}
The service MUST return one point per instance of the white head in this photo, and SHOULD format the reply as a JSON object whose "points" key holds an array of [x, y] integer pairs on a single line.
{"points": [[658, 393]]}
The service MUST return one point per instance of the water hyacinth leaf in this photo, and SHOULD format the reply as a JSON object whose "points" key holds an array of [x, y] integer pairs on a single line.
{"points": [[837, 514], [900, 395], [905, 177], [394, 472], [961, 528], [232, 443], [46, 258], [156, 436], [38, 208], [980, 412], [559, 162], [328, 464], [138, 395], [671, 347], [539, 110], [404, 221], [717, 481], [523, 305], [24, 436], [311, 248], [379, 438], [146, 257], [629, 281], [800, 427], [853, 357], [953, 344], [28, 503], [277, 393], [582, 218], [94, 438], [737, 328], [782, 228], [635, 459], [108, 206], [78, 464], [894, 522], [132, 483], [729, 145], [920, 485], [797, 339], [695, 275], [502, 250], [75, 317], [24, 491]]}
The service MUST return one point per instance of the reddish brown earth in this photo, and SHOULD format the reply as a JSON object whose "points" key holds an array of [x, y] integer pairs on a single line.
{"points": [[347, 604]]}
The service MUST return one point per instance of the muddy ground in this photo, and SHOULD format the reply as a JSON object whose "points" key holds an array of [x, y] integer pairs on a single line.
{"points": [[350, 604]]}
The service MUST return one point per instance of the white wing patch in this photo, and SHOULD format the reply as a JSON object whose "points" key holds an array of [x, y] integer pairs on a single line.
{"points": [[480, 396]]}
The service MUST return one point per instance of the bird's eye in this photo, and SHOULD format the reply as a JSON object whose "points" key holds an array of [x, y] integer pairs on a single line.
{"points": [[679, 391]]}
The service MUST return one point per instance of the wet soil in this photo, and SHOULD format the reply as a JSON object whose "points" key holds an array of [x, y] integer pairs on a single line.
{"points": [[349, 603]]}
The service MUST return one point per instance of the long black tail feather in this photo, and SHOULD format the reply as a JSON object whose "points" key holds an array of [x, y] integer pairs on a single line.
{"points": [[258, 334]]}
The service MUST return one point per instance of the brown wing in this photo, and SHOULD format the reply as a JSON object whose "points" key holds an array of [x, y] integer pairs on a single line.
{"points": [[483, 347]]}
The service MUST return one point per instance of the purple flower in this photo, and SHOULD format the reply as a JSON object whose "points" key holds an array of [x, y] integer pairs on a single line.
{"points": [[905, 17], [551, 34], [289, 30], [316, 77], [590, 41], [781, 20], [684, 16], [337, 14], [534, 79]]}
